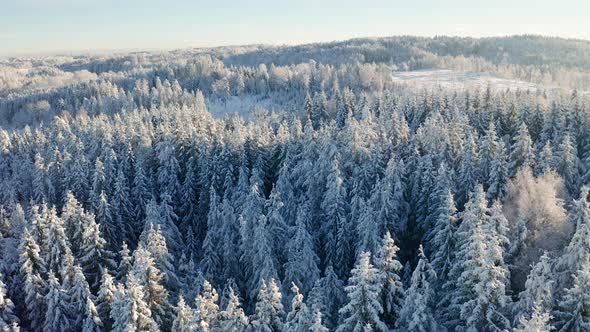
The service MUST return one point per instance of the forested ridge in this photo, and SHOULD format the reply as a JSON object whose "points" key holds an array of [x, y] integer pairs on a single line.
{"points": [[354, 204]]}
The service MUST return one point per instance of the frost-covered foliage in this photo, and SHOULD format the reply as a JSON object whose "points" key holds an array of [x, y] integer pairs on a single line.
{"points": [[342, 201]]}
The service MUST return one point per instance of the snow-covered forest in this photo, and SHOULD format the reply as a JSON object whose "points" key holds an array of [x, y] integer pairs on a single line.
{"points": [[297, 188]]}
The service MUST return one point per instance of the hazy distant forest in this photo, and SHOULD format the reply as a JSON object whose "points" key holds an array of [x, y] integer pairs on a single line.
{"points": [[297, 188]]}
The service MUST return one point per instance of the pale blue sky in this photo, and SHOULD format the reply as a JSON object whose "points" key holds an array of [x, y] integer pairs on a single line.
{"points": [[42, 26]]}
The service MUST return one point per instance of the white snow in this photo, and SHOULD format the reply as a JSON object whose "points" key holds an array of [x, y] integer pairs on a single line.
{"points": [[458, 80]]}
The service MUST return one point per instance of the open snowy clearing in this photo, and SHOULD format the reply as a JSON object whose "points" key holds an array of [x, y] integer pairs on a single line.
{"points": [[457, 80]]}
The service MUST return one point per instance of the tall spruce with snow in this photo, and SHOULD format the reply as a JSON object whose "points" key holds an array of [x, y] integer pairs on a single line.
{"points": [[335, 226], [94, 257], [147, 275], [130, 312], [567, 164], [468, 175], [443, 242], [185, 320], [538, 293], [56, 318], [573, 311], [417, 313], [268, 314], [207, 309], [299, 318], [302, 263], [539, 321], [577, 252], [476, 284], [389, 269], [328, 296], [105, 298], [7, 312], [522, 153], [32, 270], [233, 318], [364, 298]]}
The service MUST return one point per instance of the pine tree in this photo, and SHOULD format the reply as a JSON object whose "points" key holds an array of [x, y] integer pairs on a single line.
{"points": [[540, 321], [105, 298], [298, 319], [444, 236], [122, 210], [521, 152], [499, 175], [269, 309], [577, 251], [130, 312], [573, 311], [206, 307], [546, 161], [94, 255], [468, 175], [74, 222], [211, 264], [125, 262], [104, 217], [363, 290], [57, 308], [328, 296], [92, 322], [78, 295], [185, 320], [317, 324], [538, 292], [477, 279], [149, 277], [389, 269], [301, 267], [566, 164], [58, 250], [233, 317], [32, 268], [417, 312], [7, 309], [156, 244]]}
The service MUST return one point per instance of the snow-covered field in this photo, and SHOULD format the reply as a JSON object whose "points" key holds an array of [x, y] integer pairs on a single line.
{"points": [[457, 80]]}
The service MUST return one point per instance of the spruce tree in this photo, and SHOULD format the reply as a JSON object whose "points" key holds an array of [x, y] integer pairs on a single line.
{"points": [[56, 318], [364, 305], [389, 269], [298, 319], [417, 312]]}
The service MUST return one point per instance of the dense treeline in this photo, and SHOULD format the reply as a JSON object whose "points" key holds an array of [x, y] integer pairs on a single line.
{"points": [[342, 202], [372, 211], [33, 90]]}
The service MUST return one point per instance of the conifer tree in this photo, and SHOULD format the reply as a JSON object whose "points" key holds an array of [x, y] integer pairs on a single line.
{"points": [[269, 309], [540, 321], [417, 312], [92, 322], [7, 309], [56, 318], [94, 255], [105, 298], [572, 314], [298, 319], [521, 152], [389, 269], [207, 308], [364, 305], [185, 320], [538, 292], [32, 269], [302, 263], [232, 318]]}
